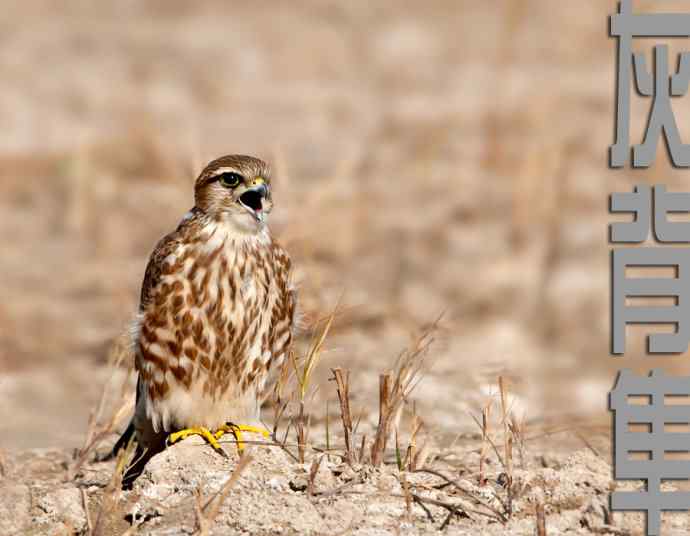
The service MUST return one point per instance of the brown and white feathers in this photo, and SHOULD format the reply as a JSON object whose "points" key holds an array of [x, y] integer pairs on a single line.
{"points": [[217, 308]]}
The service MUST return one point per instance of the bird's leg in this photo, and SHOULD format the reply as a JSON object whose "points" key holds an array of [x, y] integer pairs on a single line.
{"points": [[200, 431], [236, 430]]}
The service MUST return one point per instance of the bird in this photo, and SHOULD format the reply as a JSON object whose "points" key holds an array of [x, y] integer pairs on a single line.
{"points": [[216, 317]]}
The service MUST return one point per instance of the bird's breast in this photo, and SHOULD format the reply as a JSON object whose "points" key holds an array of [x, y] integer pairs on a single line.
{"points": [[205, 335]]}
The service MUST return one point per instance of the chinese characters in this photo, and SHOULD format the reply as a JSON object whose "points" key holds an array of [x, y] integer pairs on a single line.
{"points": [[640, 203], [657, 85]]}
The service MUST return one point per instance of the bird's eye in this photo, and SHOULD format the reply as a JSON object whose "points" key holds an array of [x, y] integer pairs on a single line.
{"points": [[230, 180]]}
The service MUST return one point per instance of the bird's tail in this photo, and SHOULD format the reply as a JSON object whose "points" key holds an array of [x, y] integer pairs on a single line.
{"points": [[121, 443], [140, 458], [139, 461]]}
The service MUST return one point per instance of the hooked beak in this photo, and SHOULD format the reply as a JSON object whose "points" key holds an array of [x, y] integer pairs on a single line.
{"points": [[252, 200]]}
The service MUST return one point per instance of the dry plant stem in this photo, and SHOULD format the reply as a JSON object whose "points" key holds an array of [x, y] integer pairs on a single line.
{"points": [[342, 380], [587, 444], [424, 507], [280, 405], [278, 416], [408, 496], [411, 456], [421, 456], [313, 470], [303, 378], [339, 489], [302, 425], [485, 435], [398, 456], [201, 523], [517, 431], [208, 512], [362, 449], [87, 513], [507, 439], [331, 452], [313, 355], [383, 428], [358, 422], [283, 443], [394, 389], [96, 432], [490, 441], [498, 514], [112, 492], [95, 436], [328, 426], [541, 520], [507, 444], [451, 508]]}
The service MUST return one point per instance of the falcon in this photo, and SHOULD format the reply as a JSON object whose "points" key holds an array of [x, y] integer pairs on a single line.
{"points": [[216, 316]]}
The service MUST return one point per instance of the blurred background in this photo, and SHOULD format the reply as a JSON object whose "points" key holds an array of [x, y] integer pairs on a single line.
{"points": [[447, 156]]}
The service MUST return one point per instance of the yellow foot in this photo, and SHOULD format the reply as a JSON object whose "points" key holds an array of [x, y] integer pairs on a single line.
{"points": [[236, 430], [200, 431]]}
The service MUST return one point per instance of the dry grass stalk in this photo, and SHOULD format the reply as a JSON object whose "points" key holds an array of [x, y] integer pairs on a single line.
{"points": [[87, 512], [313, 355], [385, 415], [588, 444], [98, 430], [452, 509], [485, 443], [507, 442], [517, 430], [362, 449], [303, 376], [506, 459], [302, 427], [342, 380], [408, 495], [313, 471], [506, 431], [395, 388], [278, 412], [412, 455], [201, 523], [328, 427], [206, 513], [424, 507], [541, 520], [421, 457], [490, 512], [398, 454], [279, 404], [487, 437], [112, 492]]}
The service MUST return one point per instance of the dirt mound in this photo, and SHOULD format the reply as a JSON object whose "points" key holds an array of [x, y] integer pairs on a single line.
{"points": [[190, 489]]}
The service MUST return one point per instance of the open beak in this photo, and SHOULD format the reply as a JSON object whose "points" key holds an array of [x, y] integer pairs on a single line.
{"points": [[253, 200]]}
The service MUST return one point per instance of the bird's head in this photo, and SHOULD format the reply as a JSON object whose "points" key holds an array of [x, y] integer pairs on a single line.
{"points": [[237, 188]]}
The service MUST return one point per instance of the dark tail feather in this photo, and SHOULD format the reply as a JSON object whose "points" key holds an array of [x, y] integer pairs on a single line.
{"points": [[121, 443], [141, 455], [139, 461], [135, 468]]}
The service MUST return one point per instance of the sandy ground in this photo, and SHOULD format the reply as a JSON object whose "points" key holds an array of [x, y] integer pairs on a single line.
{"points": [[189, 489], [448, 157]]}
